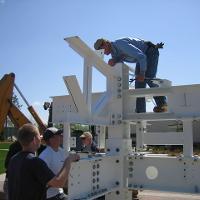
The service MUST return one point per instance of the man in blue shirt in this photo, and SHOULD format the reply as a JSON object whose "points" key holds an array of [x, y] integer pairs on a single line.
{"points": [[145, 54]]}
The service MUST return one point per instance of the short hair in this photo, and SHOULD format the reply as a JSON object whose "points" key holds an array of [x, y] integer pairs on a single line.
{"points": [[27, 133], [98, 44], [86, 134]]}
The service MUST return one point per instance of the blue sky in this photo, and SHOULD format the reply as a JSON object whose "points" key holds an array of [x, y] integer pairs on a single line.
{"points": [[32, 45]]}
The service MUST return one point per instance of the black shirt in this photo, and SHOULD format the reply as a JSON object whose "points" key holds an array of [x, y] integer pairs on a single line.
{"points": [[27, 177], [14, 148]]}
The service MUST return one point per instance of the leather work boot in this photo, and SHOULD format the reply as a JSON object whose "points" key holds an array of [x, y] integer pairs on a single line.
{"points": [[159, 109], [135, 195]]}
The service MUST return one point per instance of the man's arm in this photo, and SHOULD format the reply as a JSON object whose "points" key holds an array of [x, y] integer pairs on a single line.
{"points": [[62, 177]]}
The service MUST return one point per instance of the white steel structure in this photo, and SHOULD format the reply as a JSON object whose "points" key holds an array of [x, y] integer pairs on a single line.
{"points": [[120, 170]]}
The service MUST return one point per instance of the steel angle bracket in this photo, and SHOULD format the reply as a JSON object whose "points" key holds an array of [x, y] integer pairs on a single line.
{"points": [[76, 94]]}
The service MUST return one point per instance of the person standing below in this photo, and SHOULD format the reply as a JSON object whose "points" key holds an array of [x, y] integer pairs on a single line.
{"points": [[54, 157], [14, 148], [88, 145], [28, 175], [145, 54]]}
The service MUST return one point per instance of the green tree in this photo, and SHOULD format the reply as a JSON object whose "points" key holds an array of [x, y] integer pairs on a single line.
{"points": [[15, 101]]}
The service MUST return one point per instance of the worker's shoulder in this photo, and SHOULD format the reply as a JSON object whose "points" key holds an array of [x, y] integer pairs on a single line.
{"points": [[36, 163], [46, 152], [15, 145], [27, 158]]}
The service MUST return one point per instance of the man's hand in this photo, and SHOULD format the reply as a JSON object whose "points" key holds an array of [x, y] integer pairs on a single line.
{"points": [[73, 157], [111, 62], [140, 78], [160, 45]]}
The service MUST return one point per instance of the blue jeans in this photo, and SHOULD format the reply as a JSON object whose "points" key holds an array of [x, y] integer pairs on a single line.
{"points": [[152, 55]]}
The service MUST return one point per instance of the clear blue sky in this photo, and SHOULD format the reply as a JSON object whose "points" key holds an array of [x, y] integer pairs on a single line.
{"points": [[32, 33]]}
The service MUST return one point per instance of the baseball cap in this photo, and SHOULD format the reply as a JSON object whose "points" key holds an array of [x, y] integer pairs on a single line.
{"points": [[98, 43], [86, 134], [50, 132]]}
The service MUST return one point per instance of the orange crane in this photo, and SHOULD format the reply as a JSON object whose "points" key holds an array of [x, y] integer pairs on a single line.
{"points": [[7, 108]]}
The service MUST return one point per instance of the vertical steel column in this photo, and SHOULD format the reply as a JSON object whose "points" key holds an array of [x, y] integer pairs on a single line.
{"points": [[127, 131], [87, 83], [119, 142], [188, 137], [140, 130], [66, 137], [101, 136]]}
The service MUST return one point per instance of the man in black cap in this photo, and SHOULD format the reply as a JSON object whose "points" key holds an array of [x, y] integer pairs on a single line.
{"points": [[54, 157], [28, 175]]}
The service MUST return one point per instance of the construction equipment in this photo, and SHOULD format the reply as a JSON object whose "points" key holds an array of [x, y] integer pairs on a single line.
{"points": [[7, 108]]}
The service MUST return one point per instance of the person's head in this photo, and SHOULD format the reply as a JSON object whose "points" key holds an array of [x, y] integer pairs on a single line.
{"points": [[103, 44], [29, 137], [86, 138], [53, 137]]}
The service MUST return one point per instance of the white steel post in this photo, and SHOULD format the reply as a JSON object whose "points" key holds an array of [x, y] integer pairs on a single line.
{"points": [[87, 83], [127, 130], [119, 142], [66, 137], [140, 130], [188, 138], [101, 136]]}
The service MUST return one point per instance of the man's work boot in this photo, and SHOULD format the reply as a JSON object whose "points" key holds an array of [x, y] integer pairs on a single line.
{"points": [[159, 109], [135, 195]]}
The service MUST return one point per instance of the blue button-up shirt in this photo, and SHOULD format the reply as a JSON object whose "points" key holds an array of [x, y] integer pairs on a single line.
{"points": [[130, 50]]}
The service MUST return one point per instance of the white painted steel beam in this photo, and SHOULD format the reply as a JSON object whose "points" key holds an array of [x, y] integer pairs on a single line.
{"points": [[100, 175], [183, 102], [146, 92], [66, 137], [140, 131], [86, 52], [150, 116], [163, 173], [87, 83], [101, 136], [76, 94], [101, 103], [163, 138], [93, 177], [64, 110], [188, 138]]}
